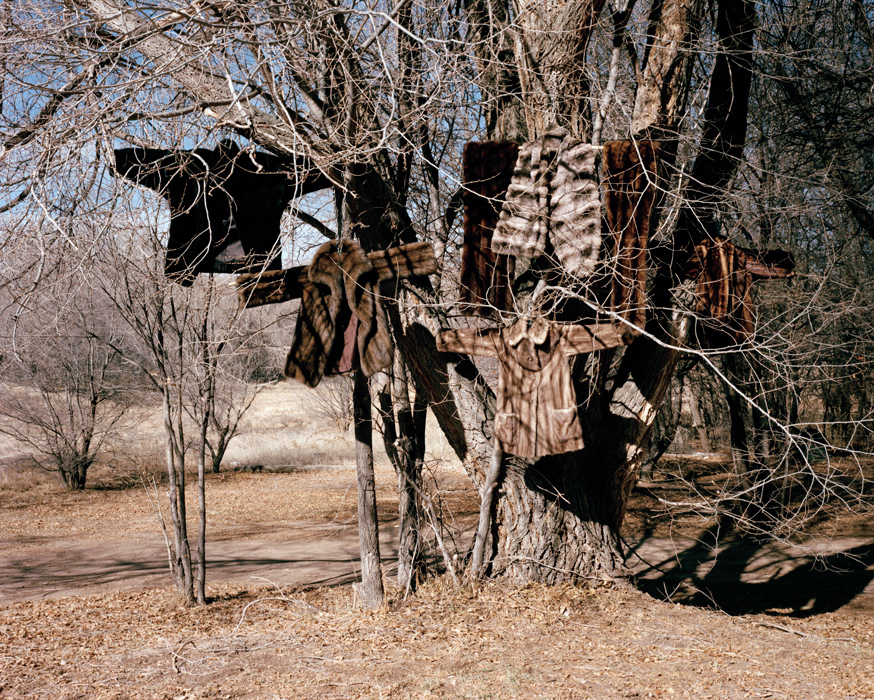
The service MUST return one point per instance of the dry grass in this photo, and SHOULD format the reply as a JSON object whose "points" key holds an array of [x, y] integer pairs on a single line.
{"points": [[493, 642]]}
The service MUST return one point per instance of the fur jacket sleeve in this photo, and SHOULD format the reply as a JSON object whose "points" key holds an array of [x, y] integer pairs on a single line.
{"points": [[278, 286]]}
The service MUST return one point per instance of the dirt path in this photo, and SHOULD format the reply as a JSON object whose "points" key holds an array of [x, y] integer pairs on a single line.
{"points": [[737, 576], [312, 555]]}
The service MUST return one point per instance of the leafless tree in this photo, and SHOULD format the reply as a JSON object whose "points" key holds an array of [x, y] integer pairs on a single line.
{"points": [[381, 96], [65, 388]]}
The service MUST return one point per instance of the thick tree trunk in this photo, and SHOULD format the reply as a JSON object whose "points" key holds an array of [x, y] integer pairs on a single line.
{"points": [[557, 522], [550, 54]]}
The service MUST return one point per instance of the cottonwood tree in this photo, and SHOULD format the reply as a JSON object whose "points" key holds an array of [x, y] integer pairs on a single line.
{"points": [[380, 97]]}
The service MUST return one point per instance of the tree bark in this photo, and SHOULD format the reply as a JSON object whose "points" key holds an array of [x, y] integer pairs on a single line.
{"points": [[698, 421], [550, 53], [370, 590], [477, 564], [409, 482]]}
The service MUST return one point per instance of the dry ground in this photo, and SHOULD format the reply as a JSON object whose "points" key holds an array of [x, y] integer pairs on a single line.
{"points": [[86, 612]]}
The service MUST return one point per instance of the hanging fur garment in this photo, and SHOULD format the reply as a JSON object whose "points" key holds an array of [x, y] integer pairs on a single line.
{"points": [[340, 280], [536, 412], [553, 199], [630, 171], [486, 277], [575, 219], [225, 205], [524, 221], [724, 275]]}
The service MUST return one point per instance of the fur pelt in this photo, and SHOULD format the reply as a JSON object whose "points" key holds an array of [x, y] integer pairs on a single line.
{"points": [[576, 209], [486, 276], [724, 275], [340, 279], [630, 172]]}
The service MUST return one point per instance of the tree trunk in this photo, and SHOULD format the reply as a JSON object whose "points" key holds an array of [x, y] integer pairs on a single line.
{"points": [[200, 566], [180, 557], [409, 482], [550, 55], [698, 421], [370, 589], [74, 474], [486, 508], [404, 453]]}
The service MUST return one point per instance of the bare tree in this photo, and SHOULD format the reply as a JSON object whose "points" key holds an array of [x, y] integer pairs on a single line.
{"points": [[380, 100], [65, 388]]}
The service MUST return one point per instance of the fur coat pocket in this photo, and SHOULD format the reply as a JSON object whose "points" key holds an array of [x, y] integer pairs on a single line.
{"points": [[565, 423], [507, 427]]}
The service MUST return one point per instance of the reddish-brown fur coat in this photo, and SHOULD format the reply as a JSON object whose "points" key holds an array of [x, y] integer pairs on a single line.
{"points": [[630, 171], [724, 275]]}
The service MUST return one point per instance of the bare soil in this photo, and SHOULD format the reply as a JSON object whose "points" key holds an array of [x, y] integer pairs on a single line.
{"points": [[87, 611]]}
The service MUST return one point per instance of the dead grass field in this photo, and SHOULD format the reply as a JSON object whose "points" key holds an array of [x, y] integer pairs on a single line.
{"points": [[732, 621]]}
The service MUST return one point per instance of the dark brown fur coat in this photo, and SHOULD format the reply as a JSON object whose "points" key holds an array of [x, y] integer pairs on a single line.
{"points": [[343, 282], [486, 276]]}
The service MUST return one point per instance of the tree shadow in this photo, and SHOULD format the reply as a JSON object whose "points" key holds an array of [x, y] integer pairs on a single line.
{"points": [[741, 576]]}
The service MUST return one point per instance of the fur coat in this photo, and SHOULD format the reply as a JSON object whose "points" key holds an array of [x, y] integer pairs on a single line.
{"points": [[225, 205], [537, 408], [343, 282], [630, 171], [553, 199], [724, 275], [486, 276]]}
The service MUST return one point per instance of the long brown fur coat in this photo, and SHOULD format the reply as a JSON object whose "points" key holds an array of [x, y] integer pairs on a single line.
{"points": [[630, 171], [343, 280], [486, 277]]}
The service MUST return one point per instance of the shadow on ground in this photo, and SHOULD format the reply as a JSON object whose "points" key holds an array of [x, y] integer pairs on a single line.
{"points": [[329, 556], [740, 576]]}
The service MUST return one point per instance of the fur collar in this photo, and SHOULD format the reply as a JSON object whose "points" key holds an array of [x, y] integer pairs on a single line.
{"points": [[536, 330]]}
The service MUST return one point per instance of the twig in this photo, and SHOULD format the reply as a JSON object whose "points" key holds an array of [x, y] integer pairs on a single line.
{"points": [[776, 627]]}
